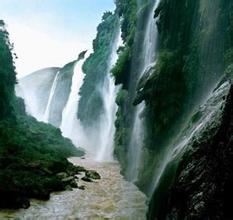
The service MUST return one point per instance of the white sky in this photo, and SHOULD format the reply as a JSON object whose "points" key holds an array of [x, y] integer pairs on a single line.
{"points": [[49, 33]]}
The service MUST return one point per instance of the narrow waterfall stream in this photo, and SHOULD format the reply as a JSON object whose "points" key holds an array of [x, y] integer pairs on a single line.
{"points": [[149, 55], [53, 88], [69, 120], [109, 93]]}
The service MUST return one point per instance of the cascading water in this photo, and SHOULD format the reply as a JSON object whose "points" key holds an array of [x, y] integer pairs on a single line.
{"points": [[70, 122], [112, 197], [194, 131], [109, 93], [149, 55], [35, 90], [51, 95], [208, 74]]}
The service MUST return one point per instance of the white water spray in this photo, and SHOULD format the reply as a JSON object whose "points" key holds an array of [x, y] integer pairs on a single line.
{"points": [[51, 95], [137, 136], [211, 111], [70, 122], [107, 121]]}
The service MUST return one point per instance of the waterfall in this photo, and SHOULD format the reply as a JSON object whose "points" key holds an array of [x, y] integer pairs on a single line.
{"points": [[210, 110], [109, 93], [52, 91], [69, 124], [97, 140], [29, 100], [35, 90], [149, 57]]}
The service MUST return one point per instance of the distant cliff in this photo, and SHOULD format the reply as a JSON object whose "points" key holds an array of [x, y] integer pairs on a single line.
{"points": [[36, 89]]}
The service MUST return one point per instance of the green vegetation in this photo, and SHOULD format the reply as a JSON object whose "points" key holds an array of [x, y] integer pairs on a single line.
{"points": [[133, 15], [128, 11], [189, 63], [194, 53], [7, 75], [122, 132], [194, 39], [31, 153], [96, 68]]}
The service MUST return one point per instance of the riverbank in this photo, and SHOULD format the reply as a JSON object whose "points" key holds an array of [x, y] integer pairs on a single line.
{"points": [[111, 197]]}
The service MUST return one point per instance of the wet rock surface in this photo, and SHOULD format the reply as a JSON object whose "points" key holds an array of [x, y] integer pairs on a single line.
{"points": [[92, 175], [204, 180], [16, 193]]}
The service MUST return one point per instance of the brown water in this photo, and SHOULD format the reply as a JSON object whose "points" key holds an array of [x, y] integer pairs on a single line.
{"points": [[109, 198]]}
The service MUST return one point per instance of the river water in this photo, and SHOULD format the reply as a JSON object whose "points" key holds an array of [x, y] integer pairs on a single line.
{"points": [[109, 198]]}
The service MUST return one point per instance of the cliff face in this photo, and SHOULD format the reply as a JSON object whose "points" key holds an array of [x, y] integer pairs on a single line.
{"points": [[35, 89], [46, 92], [195, 47], [194, 54], [134, 15], [61, 93], [193, 173], [96, 68], [203, 183]]}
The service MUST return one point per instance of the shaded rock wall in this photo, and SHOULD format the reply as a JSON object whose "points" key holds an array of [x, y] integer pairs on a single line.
{"points": [[203, 184]]}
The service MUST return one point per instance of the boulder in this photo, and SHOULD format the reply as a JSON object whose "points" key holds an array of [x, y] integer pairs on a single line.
{"points": [[62, 175], [81, 187], [86, 179], [68, 179], [92, 175], [73, 184]]}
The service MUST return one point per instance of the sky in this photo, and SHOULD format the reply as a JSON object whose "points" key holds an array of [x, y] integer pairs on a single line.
{"points": [[49, 33]]}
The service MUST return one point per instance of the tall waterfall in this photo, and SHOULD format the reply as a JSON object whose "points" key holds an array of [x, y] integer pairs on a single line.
{"points": [[97, 140], [109, 93], [51, 94], [149, 55], [69, 124]]}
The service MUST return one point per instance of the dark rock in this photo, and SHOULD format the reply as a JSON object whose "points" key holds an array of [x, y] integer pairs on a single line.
{"points": [[81, 187], [80, 169], [82, 55], [73, 184], [86, 179], [68, 179], [62, 175], [73, 170], [70, 182], [203, 185], [11, 199], [92, 175], [41, 194], [69, 188]]}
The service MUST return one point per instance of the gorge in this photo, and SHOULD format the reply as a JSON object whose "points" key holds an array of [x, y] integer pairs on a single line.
{"points": [[149, 107]]}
